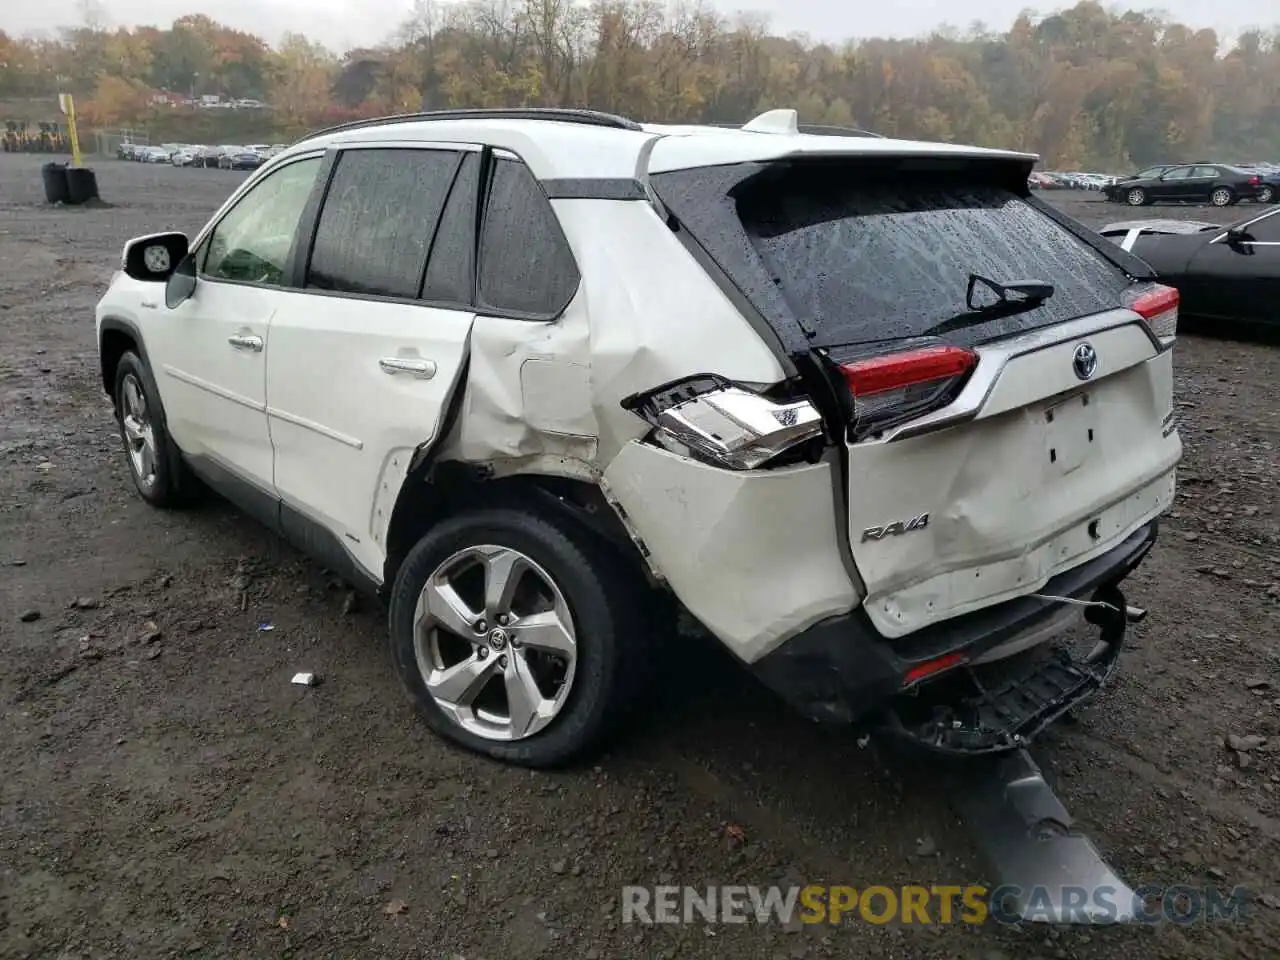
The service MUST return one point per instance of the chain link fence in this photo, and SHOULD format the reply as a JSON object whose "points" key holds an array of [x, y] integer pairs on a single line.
{"points": [[107, 142]]}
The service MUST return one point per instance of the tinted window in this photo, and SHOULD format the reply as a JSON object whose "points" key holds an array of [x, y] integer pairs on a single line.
{"points": [[1178, 173], [1205, 172], [860, 261], [451, 267], [252, 242], [1266, 231], [379, 216], [525, 263], [1150, 172]]}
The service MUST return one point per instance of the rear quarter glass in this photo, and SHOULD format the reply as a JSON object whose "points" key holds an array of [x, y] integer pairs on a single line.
{"points": [[881, 258]]}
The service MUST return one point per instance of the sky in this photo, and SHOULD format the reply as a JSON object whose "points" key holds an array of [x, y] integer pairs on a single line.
{"points": [[343, 24]]}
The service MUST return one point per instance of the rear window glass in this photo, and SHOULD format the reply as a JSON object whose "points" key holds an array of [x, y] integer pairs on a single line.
{"points": [[862, 262]]}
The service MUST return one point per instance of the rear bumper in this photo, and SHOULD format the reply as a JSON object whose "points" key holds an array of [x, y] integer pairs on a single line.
{"points": [[842, 670]]}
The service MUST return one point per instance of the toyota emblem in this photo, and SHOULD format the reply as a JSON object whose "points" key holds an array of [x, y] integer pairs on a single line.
{"points": [[1085, 361]]}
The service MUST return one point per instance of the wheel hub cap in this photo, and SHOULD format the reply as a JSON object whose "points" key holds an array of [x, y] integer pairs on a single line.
{"points": [[503, 682], [139, 438]]}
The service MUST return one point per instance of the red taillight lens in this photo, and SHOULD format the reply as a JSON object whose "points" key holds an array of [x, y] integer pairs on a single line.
{"points": [[1254, 181], [896, 387], [930, 667], [1158, 305]]}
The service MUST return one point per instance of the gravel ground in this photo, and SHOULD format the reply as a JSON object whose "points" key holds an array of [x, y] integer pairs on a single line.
{"points": [[175, 794]]}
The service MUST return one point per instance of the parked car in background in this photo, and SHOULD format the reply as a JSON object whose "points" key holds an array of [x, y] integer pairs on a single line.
{"points": [[1218, 184], [154, 155], [225, 153], [207, 156], [242, 159], [1116, 192], [184, 156], [1224, 275]]}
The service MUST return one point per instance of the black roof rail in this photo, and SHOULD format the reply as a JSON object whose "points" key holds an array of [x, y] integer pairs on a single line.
{"points": [[596, 118]]}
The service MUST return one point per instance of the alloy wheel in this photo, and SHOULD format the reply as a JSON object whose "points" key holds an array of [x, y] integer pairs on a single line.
{"points": [[494, 640], [1136, 198], [1220, 197], [140, 439]]}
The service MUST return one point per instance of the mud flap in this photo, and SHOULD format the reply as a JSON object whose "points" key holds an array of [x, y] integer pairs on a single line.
{"points": [[1046, 870]]}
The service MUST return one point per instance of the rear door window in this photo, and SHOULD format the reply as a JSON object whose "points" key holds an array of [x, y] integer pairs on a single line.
{"points": [[879, 261], [379, 216], [526, 268]]}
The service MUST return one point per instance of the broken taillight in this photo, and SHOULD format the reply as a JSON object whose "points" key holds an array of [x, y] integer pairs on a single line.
{"points": [[892, 388], [1157, 304]]}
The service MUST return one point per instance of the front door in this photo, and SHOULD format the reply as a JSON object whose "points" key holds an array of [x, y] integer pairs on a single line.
{"points": [[212, 349]]}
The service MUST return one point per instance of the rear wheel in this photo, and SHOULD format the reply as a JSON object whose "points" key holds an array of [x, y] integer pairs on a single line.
{"points": [[1222, 197], [516, 635], [1136, 197], [1267, 194]]}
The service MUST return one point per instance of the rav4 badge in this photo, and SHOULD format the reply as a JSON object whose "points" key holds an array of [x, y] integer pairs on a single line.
{"points": [[896, 528]]}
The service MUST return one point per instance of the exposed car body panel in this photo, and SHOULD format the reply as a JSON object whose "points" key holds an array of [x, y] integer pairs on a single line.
{"points": [[1219, 280], [752, 554]]}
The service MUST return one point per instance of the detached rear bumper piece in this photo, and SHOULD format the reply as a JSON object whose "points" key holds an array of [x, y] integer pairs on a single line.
{"points": [[842, 670]]}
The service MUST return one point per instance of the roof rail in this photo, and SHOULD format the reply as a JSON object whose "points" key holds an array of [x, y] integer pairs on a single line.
{"points": [[595, 118]]}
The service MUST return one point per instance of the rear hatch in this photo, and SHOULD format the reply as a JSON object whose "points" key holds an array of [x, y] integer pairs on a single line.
{"points": [[1004, 391]]}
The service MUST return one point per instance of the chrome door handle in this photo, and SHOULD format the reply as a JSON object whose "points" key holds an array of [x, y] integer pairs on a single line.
{"points": [[249, 343], [422, 369]]}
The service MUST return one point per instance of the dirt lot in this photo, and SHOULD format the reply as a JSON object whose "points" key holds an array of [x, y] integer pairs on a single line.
{"points": [[180, 796]]}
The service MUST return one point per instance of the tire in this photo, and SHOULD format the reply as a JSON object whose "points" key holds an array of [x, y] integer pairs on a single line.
{"points": [[168, 484], [1222, 197], [1267, 194], [598, 598], [1137, 197]]}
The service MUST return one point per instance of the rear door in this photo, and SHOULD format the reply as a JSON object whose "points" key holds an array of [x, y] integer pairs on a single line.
{"points": [[990, 445], [364, 357]]}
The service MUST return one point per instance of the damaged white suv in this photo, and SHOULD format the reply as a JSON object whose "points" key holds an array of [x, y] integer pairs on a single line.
{"points": [[878, 419]]}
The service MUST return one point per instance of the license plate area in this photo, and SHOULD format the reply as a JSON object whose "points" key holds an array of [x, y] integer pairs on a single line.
{"points": [[1070, 434]]}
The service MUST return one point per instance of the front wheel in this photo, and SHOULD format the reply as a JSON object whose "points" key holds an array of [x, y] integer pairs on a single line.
{"points": [[517, 635], [1222, 197], [1136, 197], [154, 461]]}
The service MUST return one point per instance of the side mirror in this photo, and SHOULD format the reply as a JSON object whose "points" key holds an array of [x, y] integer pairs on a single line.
{"points": [[153, 258], [181, 283]]}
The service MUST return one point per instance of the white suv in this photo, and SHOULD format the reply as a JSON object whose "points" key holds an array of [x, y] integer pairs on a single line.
{"points": [[878, 419]]}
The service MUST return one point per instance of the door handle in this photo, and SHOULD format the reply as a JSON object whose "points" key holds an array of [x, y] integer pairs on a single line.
{"points": [[248, 343], [414, 366]]}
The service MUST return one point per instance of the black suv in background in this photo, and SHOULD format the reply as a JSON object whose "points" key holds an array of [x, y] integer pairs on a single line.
{"points": [[1217, 183]]}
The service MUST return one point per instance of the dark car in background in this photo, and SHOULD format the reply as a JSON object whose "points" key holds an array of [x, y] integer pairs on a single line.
{"points": [[1116, 191], [240, 160], [1218, 184], [1225, 276]]}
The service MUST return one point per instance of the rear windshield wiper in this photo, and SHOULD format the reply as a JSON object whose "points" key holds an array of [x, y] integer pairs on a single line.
{"points": [[1012, 297]]}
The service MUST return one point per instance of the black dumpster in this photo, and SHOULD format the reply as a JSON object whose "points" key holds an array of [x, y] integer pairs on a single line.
{"points": [[82, 185], [55, 182]]}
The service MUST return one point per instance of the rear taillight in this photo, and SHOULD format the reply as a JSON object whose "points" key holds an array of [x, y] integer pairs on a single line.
{"points": [[894, 388], [1158, 306], [1255, 181]]}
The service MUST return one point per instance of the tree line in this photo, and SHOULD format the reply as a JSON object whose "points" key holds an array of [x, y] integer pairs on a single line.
{"points": [[1084, 87]]}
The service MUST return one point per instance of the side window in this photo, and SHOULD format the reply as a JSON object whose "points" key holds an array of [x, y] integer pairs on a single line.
{"points": [[526, 266], [252, 242], [1268, 230], [1205, 173], [1178, 173], [378, 219], [451, 267]]}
